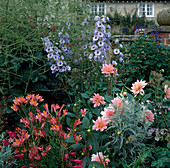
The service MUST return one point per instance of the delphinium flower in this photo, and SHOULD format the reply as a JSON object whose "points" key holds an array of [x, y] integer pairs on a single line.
{"points": [[117, 51], [98, 157], [100, 124], [138, 86], [57, 55], [100, 41], [97, 100]]}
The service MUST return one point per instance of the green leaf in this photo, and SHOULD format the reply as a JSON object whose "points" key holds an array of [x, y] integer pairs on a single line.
{"points": [[154, 163], [96, 164], [108, 98], [70, 139], [84, 95], [70, 122], [168, 145], [130, 97], [86, 122], [70, 114], [146, 97], [120, 84], [77, 146], [115, 89]]}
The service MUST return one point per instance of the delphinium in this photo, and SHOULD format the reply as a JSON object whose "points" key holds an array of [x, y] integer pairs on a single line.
{"points": [[58, 55], [118, 51], [100, 42]]}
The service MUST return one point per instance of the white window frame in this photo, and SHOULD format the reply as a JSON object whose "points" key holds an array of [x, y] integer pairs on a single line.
{"points": [[98, 6], [146, 9]]}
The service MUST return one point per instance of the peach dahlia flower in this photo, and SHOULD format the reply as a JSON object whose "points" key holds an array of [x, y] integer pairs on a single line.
{"points": [[97, 100], [118, 103], [108, 114], [167, 91], [100, 124], [148, 116], [100, 158], [107, 69], [138, 86]]}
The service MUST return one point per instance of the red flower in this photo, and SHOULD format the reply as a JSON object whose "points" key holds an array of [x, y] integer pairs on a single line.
{"points": [[77, 166], [72, 154], [48, 148], [77, 161], [19, 156], [5, 142], [54, 27], [66, 156]]}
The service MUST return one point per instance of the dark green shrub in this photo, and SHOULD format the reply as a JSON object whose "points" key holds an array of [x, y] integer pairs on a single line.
{"points": [[142, 57]]}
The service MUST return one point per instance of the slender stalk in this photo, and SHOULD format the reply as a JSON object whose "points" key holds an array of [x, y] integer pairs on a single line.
{"points": [[97, 148], [165, 121]]}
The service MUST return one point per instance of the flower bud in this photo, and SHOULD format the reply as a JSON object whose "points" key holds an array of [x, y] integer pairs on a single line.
{"points": [[118, 133], [88, 130], [124, 93], [75, 105], [162, 70], [82, 153]]}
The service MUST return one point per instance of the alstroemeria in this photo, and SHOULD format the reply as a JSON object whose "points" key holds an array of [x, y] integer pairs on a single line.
{"points": [[12, 134], [72, 154], [77, 161], [77, 122], [14, 107], [83, 112], [20, 156], [5, 142], [77, 166]]}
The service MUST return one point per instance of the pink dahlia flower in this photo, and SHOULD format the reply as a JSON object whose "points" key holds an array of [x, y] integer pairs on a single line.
{"points": [[97, 100], [167, 91], [108, 114], [100, 158], [100, 124], [138, 86], [118, 103], [148, 116], [108, 69]]}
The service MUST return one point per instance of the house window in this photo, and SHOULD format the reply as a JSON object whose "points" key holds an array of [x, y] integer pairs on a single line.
{"points": [[146, 9], [98, 9]]}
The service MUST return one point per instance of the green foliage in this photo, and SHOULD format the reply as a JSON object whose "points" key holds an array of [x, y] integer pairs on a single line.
{"points": [[128, 22], [24, 66], [142, 57], [6, 158]]}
